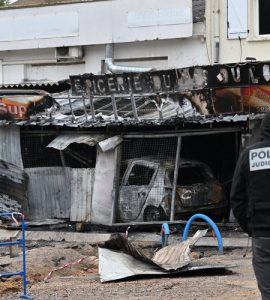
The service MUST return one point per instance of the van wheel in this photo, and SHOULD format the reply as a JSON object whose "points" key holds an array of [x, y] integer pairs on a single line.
{"points": [[153, 214]]}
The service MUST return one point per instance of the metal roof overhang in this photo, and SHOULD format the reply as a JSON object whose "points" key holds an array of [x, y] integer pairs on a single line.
{"points": [[105, 142], [48, 86]]}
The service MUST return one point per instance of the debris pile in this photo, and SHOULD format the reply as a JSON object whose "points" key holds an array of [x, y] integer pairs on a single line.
{"points": [[120, 259]]}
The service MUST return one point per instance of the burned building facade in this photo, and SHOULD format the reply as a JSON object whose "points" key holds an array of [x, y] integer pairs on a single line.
{"points": [[141, 147]]}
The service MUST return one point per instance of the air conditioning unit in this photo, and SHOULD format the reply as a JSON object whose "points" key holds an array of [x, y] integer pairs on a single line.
{"points": [[69, 53]]}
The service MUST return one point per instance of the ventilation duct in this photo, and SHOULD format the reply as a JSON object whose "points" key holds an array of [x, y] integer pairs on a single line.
{"points": [[120, 69]]}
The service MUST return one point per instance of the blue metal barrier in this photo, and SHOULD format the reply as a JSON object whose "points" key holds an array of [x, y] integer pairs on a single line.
{"points": [[210, 222], [21, 243], [165, 233]]}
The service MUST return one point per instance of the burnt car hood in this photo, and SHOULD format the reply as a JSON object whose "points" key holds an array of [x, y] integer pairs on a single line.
{"points": [[200, 194]]}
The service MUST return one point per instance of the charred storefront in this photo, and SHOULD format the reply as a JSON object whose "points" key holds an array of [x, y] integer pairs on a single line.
{"points": [[128, 148]]}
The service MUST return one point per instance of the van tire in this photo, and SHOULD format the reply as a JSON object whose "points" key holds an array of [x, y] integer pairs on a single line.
{"points": [[154, 214]]}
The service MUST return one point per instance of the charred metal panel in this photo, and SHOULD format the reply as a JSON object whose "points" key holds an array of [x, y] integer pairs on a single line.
{"points": [[104, 190], [184, 79], [119, 258], [117, 265], [13, 187], [10, 145], [147, 82], [49, 193], [81, 194]]}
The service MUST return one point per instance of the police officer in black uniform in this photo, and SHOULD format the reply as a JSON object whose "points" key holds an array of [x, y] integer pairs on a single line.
{"points": [[250, 202]]}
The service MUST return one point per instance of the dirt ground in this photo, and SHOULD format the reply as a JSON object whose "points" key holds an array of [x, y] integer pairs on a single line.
{"points": [[80, 281]]}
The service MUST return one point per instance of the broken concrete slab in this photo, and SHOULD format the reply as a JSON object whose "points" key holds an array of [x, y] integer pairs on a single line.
{"points": [[46, 222], [55, 236], [238, 240], [8, 234], [227, 242], [90, 238]]}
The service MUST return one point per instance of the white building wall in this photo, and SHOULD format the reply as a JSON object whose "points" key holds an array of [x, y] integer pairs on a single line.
{"points": [[52, 72], [93, 23], [234, 50], [164, 54], [30, 58], [41, 65]]}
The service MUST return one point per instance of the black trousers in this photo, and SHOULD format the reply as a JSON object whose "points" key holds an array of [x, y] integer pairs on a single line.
{"points": [[261, 264]]}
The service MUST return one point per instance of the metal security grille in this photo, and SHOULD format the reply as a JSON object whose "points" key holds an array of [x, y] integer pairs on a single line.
{"points": [[35, 153], [146, 173]]}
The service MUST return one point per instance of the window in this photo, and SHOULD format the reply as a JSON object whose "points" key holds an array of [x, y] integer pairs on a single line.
{"points": [[259, 24], [263, 15], [237, 19], [140, 175]]}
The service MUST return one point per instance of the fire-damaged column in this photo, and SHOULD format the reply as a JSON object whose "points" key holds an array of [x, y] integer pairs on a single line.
{"points": [[105, 186], [175, 176]]}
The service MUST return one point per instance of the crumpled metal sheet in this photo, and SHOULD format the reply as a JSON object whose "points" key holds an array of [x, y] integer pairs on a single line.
{"points": [[115, 265], [177, 256], [62, 141], [119, 242], [171, 257], [120, 259]]}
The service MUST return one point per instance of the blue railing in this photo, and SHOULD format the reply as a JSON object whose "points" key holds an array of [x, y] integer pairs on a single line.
{"points": [[211, 223], [21, 242]]}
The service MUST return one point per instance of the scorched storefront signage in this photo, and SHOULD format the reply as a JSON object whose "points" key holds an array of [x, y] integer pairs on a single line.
{"points": [[22, 106], [173, 80]]}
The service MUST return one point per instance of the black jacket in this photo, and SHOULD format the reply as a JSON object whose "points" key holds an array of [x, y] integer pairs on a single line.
{"points": [[250, 193]]}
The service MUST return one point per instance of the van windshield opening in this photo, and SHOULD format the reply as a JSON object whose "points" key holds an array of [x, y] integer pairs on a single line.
{"points": [[192, 174]]}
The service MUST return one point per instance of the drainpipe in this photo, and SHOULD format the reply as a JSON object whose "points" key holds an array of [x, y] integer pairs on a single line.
{"points": [[1, 72], [216, 23], [120, 69]]}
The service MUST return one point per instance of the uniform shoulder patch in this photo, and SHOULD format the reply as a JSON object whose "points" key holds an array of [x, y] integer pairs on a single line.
{"points": [[259, 159]]}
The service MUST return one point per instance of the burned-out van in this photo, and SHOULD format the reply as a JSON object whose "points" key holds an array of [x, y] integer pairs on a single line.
{"points": [[146, 190]]}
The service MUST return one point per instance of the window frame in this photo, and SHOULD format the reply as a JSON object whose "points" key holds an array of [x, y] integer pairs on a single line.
{"points": [[254, 35], [140, 163]]}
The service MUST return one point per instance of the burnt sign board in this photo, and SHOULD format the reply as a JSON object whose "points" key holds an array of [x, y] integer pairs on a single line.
{"points": [[140, 83], [173, 80], [22, 106]]}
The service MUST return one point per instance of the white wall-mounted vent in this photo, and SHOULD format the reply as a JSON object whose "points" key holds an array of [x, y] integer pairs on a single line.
{"points": [[73, 52]]}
